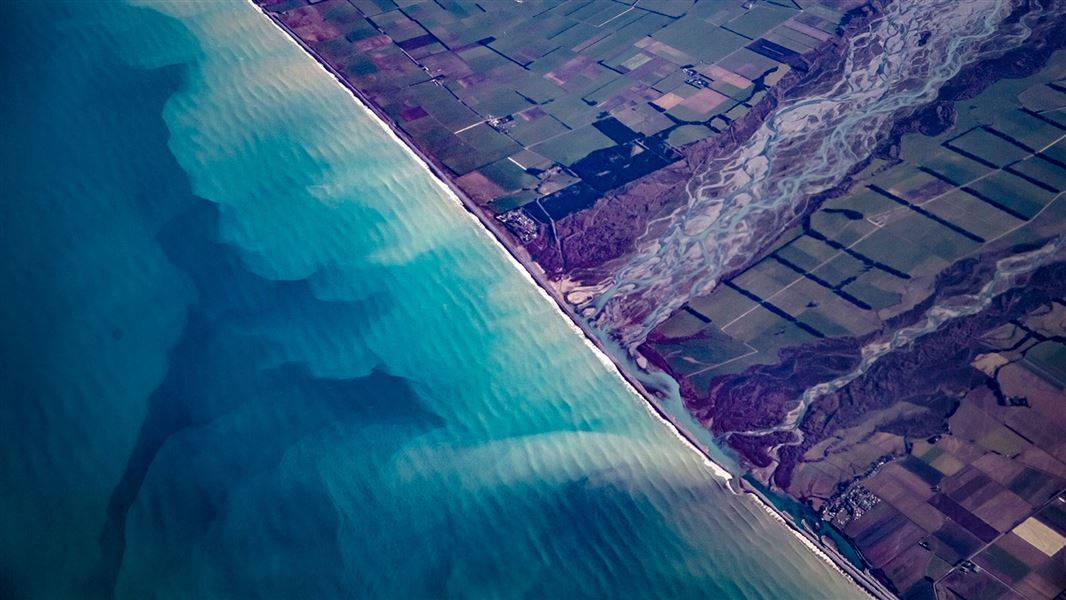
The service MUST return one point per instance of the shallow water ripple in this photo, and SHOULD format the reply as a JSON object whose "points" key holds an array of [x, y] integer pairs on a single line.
{"points": [[275, 360]]}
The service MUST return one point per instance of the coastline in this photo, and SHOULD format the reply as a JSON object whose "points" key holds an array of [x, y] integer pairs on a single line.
{"points": [[523, 263]]}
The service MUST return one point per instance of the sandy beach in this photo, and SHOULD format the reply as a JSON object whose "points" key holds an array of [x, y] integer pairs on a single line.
{"points": [[518, 257]]}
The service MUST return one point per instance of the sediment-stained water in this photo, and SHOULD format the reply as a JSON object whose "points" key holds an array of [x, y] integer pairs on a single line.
{"points": [[252, 349]]}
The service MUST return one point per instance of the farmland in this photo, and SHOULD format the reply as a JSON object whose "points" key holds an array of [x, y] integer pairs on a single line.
{"points": [[838, 225], [943, 459], [873, 254], [528, 104]]}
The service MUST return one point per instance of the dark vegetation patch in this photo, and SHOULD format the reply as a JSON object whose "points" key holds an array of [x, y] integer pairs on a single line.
{"points": [[568, 200], [613, 167], [614, 129], [753, 447]]}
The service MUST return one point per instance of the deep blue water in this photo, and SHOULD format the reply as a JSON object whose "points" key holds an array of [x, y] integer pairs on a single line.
{"points": [[251, 349]]}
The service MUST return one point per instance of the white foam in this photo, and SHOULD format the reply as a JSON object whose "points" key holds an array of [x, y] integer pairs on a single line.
{"points": [[717, 470], [808, 543]]}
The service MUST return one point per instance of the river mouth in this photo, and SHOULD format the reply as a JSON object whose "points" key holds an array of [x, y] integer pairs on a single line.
{"points": [[255, 350]]}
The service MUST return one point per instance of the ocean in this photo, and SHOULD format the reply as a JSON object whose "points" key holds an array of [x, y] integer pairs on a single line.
{"points": [[251, 349]]}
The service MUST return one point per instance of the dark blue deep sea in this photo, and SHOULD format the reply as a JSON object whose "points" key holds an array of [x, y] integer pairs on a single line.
{"points": [[251, 349]]}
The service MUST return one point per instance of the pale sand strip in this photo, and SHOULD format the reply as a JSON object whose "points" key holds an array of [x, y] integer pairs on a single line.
{"points": [[521, 264], [532, 273]]}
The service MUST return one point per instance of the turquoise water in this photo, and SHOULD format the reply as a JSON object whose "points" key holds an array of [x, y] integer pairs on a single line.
{"points": [[251, 349]]}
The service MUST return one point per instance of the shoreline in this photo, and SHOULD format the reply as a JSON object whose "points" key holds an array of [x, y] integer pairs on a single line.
{"points": [[523, 263]]}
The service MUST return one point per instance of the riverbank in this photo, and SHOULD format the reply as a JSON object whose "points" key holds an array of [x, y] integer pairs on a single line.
{"points": [[523, 262], [517, 255]]}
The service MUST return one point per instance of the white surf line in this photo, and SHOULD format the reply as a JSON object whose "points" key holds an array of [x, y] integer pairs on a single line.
{"points": [[820, 553], [718, 470]]}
